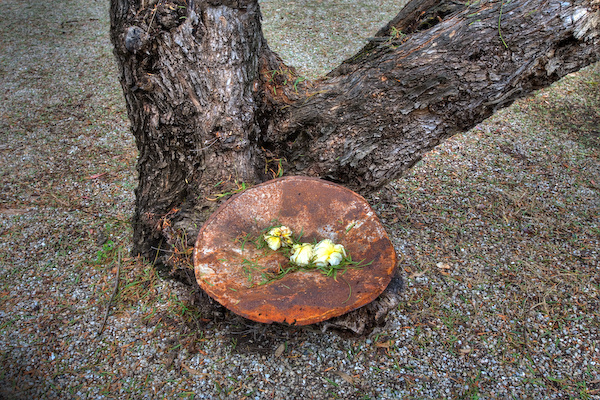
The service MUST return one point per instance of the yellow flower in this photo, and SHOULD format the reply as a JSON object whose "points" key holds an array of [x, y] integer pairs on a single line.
{"points": [[327, 252], [274, 242], [302, 254], [286, 235], [277, 237]]}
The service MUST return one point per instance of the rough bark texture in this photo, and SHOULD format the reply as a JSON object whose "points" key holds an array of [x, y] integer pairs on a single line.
{"points": [[379, 112], [213, 108], [190, 75]]}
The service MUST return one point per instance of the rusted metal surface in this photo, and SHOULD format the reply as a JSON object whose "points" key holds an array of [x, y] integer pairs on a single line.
{"points": [[229, 268]]}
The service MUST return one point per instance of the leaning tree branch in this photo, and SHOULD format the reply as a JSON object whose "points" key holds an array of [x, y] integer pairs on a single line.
{"points": [[377, 114]]}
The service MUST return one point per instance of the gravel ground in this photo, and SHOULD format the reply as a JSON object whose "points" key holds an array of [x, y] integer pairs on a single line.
{"points": [[497, 230], [315, 36]]}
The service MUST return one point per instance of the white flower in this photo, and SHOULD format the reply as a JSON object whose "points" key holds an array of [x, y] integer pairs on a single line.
{"points": [[277, 237], [274, 242], [327, 252], [302, 254]]}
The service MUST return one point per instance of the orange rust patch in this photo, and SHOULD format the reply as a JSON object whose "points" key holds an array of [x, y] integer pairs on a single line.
{"points": [[319, 209]]}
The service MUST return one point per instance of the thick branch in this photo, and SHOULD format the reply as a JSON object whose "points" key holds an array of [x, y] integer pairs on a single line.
{"points": [[375, 117]]}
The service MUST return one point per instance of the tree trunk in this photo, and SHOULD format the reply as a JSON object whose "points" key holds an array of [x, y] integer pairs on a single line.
{"points": [[190, 73], [213, 109]]}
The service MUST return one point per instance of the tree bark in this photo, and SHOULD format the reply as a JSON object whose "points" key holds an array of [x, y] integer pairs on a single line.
{"points": [[213, 109], [190, 72], [438, 69]]}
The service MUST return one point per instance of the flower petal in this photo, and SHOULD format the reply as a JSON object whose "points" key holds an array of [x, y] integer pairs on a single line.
{"points": [[275, 232], [324, 245], [274, 242], [302, 254], [335, 258], [340, 249], [321, 261]]}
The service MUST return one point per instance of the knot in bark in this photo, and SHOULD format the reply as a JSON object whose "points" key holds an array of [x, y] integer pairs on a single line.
{"points": [[135, 39]]}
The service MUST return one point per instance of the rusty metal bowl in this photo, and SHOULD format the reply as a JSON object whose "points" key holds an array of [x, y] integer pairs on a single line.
{"points": [[232, 270]]}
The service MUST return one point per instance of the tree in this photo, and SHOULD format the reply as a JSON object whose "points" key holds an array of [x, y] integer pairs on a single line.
{"points": [[213, 108]]}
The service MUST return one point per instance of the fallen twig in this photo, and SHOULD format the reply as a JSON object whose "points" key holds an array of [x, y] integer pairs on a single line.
{"points": [[114, 293]]}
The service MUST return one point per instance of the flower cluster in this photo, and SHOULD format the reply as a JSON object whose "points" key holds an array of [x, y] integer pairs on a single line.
{"points": [[280, 236], [322, 254]]}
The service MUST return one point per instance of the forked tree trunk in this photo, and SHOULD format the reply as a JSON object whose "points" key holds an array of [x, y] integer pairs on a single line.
{"points": [[213, 109]]}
